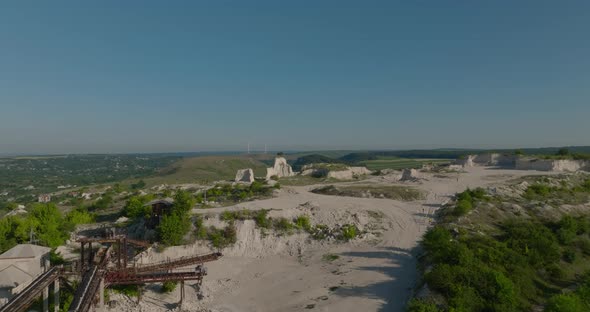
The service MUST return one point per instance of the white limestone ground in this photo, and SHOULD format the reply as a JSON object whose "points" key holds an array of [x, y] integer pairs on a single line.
{"points": [[376, 272]]}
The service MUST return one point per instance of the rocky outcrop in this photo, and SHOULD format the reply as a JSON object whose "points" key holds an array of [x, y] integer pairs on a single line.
{"points": [[339, 171], [410, 175], [245, 175], [349, 173], [487, 159], [280, 169], [559, 165], [465, 162]]}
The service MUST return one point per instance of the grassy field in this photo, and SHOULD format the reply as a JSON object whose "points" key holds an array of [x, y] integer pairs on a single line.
{"points": [[399, 163], [206, 169]]}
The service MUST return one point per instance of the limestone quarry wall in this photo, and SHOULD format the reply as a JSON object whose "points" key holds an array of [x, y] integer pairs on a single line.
{"points": [[552, 164], [348, 174], [487, 159]]}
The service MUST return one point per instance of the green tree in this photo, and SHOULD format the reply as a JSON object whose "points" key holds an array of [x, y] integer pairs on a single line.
{"points": [[49, 225], [172, 229], [183, 202], [103, 203], [563, 152], [139, 185], [136, 207]]}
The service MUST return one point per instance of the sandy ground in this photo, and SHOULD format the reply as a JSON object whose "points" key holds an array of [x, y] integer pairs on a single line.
{"points": [[269, 273]]}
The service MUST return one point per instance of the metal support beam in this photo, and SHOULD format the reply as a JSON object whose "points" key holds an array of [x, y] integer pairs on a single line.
{"points": [[181, 294], [46, 299], [82, 263], [101, 295], [90, 254], [119, 251], [56, 295], [124, 252]]}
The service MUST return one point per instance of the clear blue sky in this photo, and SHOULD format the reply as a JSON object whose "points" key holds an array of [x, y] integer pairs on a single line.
{"points": [[144, 76]]}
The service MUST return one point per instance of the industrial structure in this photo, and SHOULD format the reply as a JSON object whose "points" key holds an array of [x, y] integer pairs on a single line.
{"points": [[103, 266]]}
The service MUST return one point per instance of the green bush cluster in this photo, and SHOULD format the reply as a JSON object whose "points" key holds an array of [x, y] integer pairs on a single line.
{"points": [[302, 222], [169, 286], [221, 238], [127, 290], [575, 301], [176, 225], [262, 220], [136, 207], [577, 193], [510, 271], [80, 215], [49, 226], [417, 305], [236, 193], [467, 199], [349, 231]]}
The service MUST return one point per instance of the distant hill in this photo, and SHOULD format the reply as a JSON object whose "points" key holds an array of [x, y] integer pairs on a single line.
{"points": [[206, 169], [313, 159]]}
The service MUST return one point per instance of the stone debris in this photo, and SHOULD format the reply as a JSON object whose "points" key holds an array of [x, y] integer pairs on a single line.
{"points": [[245, 175]]}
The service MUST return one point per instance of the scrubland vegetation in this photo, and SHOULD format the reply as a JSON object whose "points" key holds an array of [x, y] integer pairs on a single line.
{"points": [[223, 237], [228, 193], [389, 191], [527, 263]]}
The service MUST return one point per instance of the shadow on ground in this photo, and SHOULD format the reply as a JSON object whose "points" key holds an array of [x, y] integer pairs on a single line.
{"points": [[401, 272]]}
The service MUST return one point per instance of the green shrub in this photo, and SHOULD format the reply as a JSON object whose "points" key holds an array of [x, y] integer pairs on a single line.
{"points": [[169, 286], [566, 303], [584, 244], [221, 238], [568, 229], [227, 216], [569, 255], [127, 290], [302, 222], [136, 207], [463, 207], [55, 258], [200, 229], [172, 229], [554, 271], [283, 225], [330, 257], [320, 231], [349, 231], [417, 305], [537, 190], [261, 219], [80, 216]]}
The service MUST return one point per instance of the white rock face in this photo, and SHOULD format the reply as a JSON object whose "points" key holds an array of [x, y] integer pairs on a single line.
{"points": [[245, 175], [551, 164], [410, 175], [348, 174], [280, 169], [487, 159]]}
